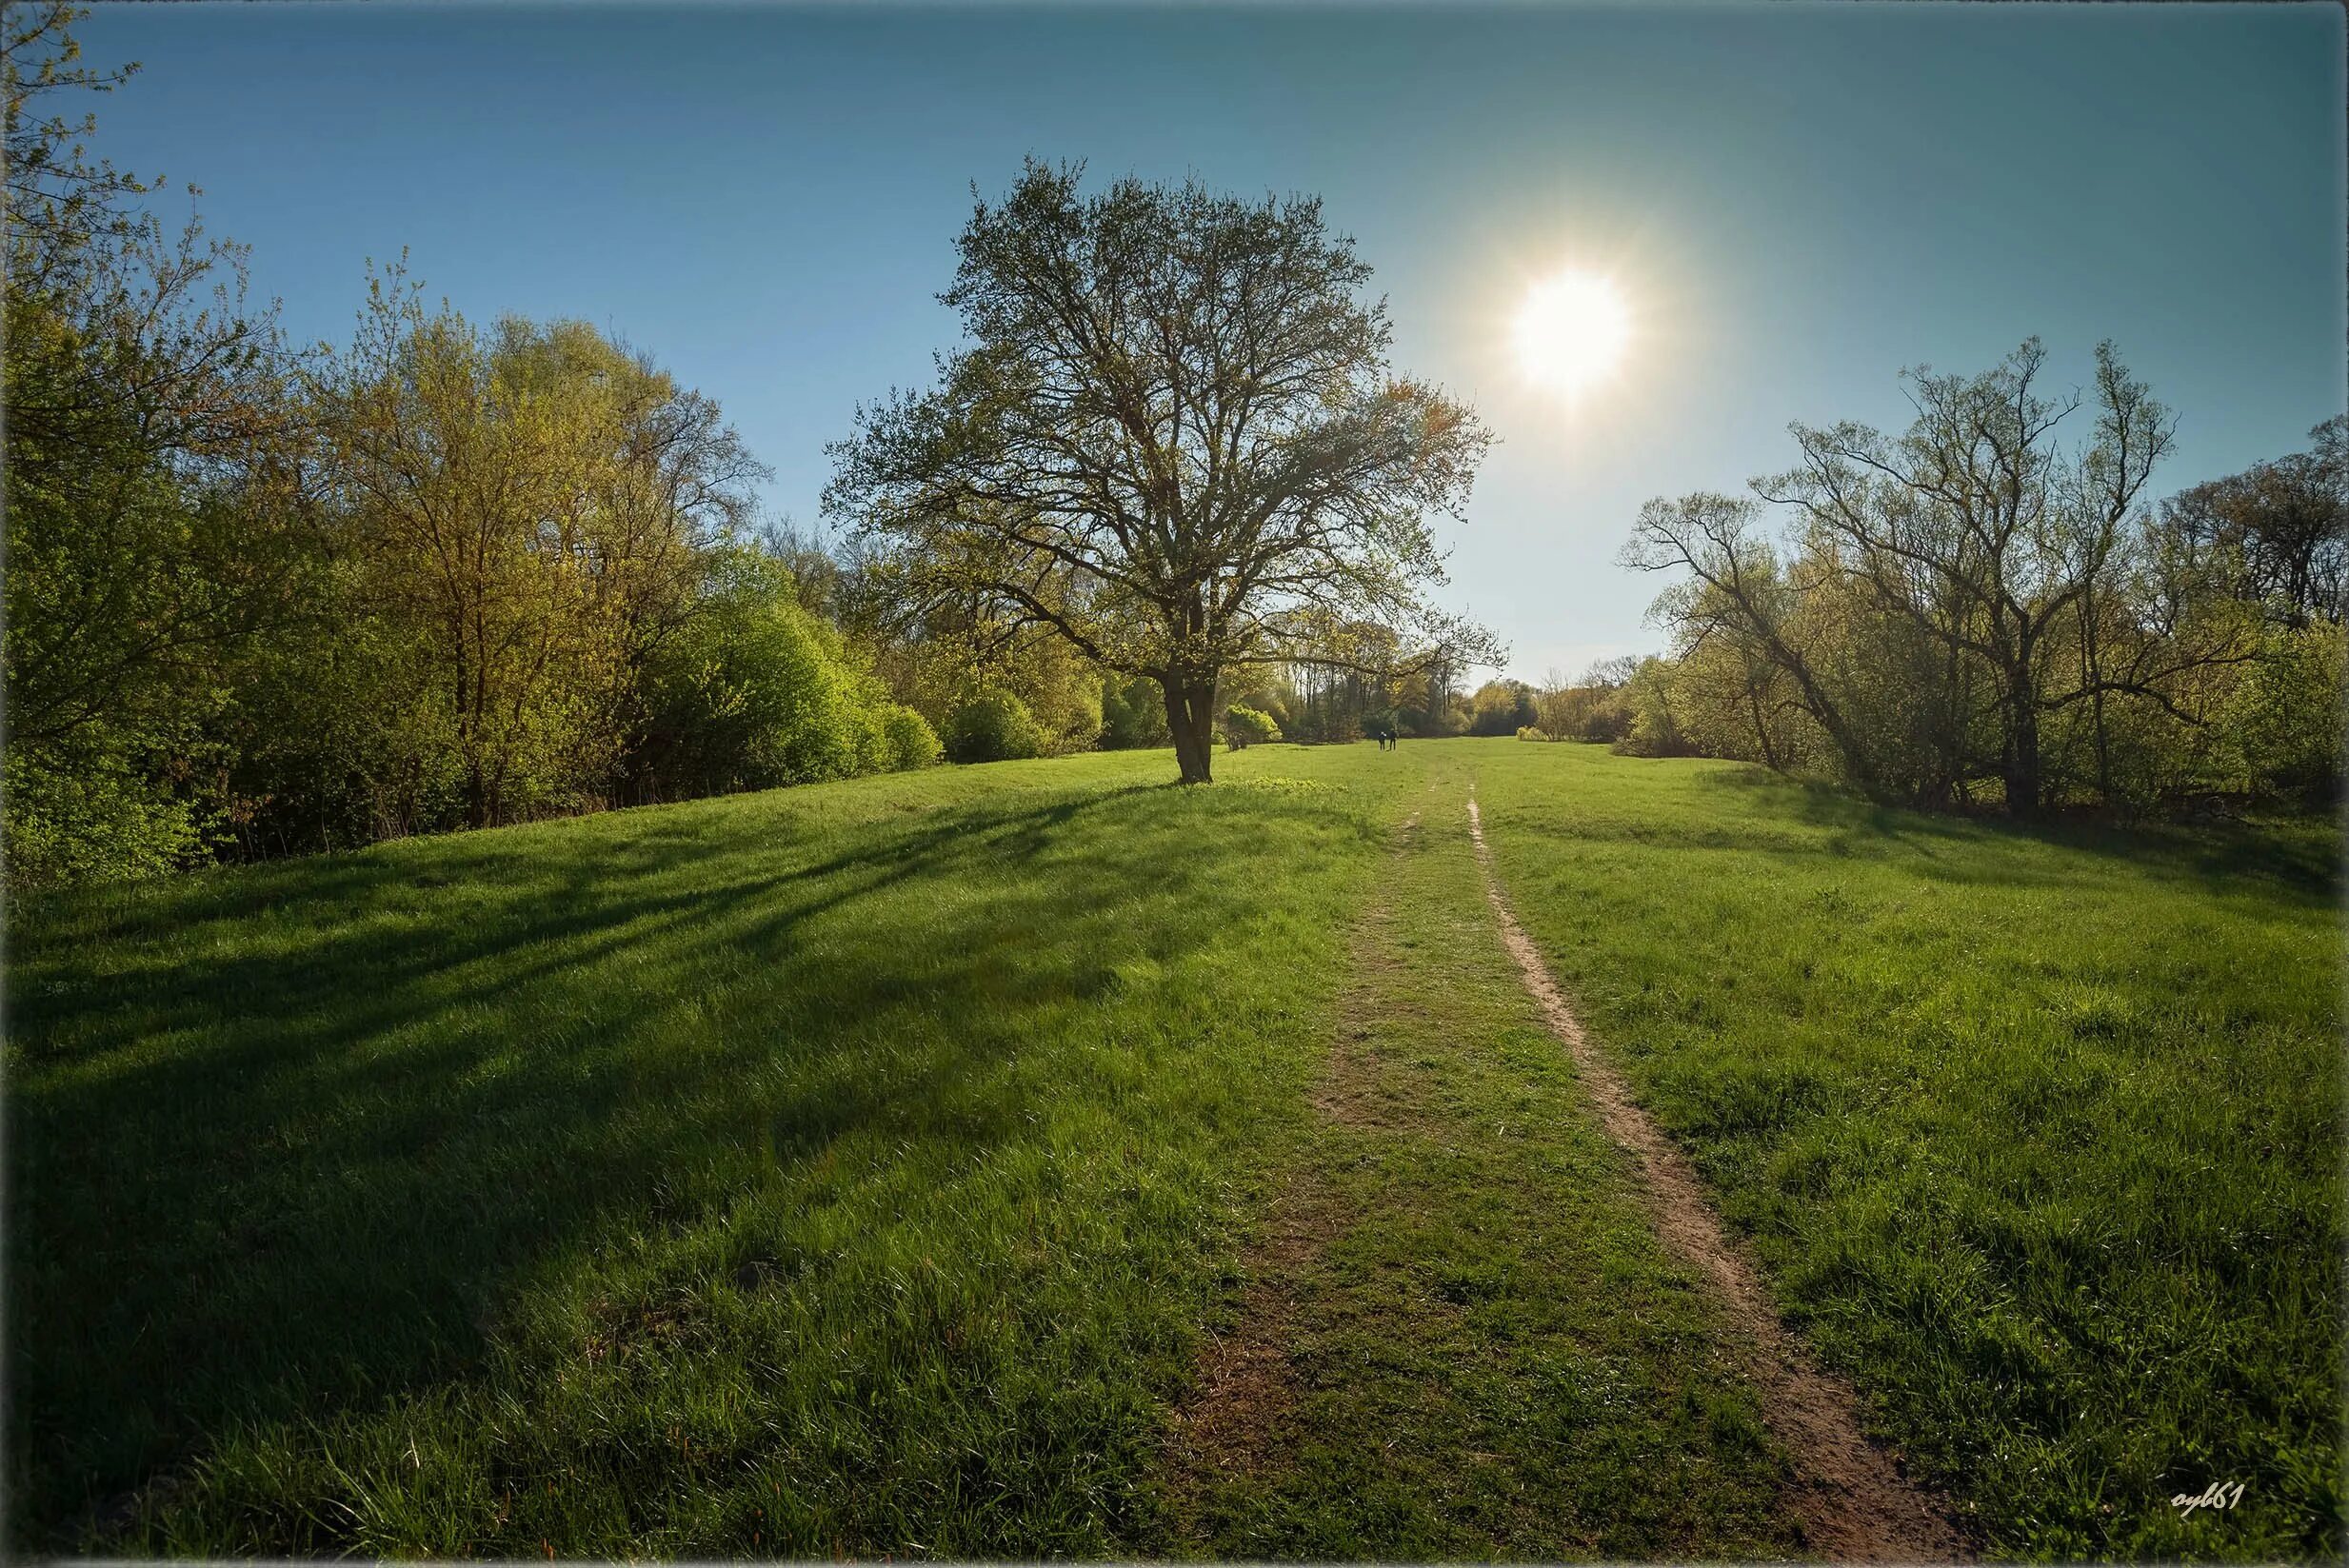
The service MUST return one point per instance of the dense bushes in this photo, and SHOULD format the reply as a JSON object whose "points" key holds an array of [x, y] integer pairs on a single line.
{"points": [[1584, 713], [106, 819], [2278, 730], [754, 691], [907, 740], [993, 727], [1502, 707], [1656, 730], [1133, 714]]}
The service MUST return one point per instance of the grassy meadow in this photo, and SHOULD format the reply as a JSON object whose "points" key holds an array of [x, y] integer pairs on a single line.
{"points": [[2036, 1133], [1490, 1353], [889, 1166], [834, 1169]]}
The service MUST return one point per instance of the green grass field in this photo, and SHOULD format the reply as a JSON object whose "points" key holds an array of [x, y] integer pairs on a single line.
{"points": [[2039, 1134], [878, 1167]]}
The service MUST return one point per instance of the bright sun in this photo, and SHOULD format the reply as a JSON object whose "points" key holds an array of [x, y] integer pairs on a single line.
{"points": [[1571, 330]]}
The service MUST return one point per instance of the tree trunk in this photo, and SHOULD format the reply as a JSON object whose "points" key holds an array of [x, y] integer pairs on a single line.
{"points": [[2023, 757], [2022, 770], [1761, 728], [1190, 714], [477, 794]]}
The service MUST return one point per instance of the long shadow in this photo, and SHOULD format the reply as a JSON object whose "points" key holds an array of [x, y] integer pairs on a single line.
{"points": [[2297, 859], [254, 1184]]}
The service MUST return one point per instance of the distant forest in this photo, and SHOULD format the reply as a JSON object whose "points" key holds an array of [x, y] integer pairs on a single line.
{"points": [[265, 599]]}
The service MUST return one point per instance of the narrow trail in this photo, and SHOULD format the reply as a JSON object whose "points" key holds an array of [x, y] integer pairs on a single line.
{"points": [[1239, 1420], [1854, 1503]]}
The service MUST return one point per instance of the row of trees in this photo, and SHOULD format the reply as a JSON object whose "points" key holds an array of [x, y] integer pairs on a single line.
{"points": [[1975, 612], [263, 599], [996, 689]]}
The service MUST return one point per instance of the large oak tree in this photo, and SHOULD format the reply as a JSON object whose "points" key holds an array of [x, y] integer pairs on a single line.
{"points": [[1174, 437]]}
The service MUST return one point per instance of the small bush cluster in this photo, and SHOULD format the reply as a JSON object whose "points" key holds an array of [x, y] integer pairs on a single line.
{"points": [[1247, 726], [754, 692], [993, 727]]}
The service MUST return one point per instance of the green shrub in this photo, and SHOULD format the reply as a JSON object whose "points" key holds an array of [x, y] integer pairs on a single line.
{"points": [[753, 693], [1655, 729], [994, 726], [1500, 707], [101, 820], [2284, 717], [909, 741], [1529, 732], [1245, 726], [1133, 714]]}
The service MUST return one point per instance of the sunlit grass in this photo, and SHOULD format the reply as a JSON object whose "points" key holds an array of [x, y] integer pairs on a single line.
{"points": [[2039, 1132], [857, 1168], [1487, 1351], [827, 1169]]}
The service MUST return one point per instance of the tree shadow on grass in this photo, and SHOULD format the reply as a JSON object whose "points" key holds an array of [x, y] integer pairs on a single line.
{"points": [[280, 1141], [2298, 860]]}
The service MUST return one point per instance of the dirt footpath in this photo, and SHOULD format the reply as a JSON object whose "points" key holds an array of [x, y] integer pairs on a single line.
{"points": [[1855, 1504]]}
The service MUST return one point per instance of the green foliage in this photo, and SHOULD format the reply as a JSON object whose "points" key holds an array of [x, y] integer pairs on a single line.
{"points": [[2281, 725], [1322, 706], [1584, 713], [1530, 732], [940, 660], [1502, 707], [993, 727], [536, 511], [94, 817], [753, 691], [153, 537], [1133, 713], [908, 740], [1060, 688], [1650, 698], [1246, 727], [334, 733], [1591, 707]]}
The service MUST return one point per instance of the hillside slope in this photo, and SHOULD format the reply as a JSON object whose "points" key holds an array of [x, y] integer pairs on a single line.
{"points": [[905, 1165]]}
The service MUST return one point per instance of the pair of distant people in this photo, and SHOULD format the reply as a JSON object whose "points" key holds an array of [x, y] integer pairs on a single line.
{"points": [[1382, 733]]}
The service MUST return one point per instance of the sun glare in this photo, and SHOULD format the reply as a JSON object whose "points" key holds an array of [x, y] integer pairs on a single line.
{"points": [[1571, 332]]}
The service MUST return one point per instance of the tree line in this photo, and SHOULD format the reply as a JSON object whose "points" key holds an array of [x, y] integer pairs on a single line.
{"points": [[1975, 612], [264, 599]]}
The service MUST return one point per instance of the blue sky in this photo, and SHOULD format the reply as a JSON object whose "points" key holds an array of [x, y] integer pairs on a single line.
{"points": [[1797, 201]]}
